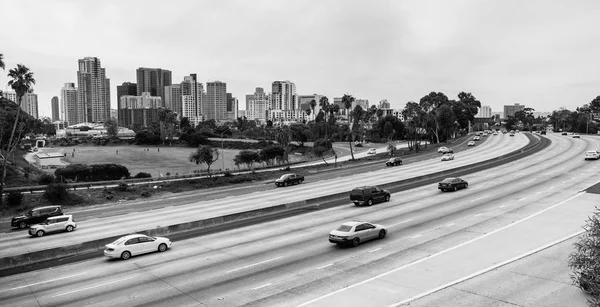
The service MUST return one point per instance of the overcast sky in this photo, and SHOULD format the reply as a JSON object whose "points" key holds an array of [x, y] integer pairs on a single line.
{"points": [[543, 54]]}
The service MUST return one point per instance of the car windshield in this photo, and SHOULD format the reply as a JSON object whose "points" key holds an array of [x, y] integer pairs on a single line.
{"points": [[284, 176], [120, 240], [344, 228]]}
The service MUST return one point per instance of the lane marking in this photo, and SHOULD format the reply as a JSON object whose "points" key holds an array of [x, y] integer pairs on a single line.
{"points": [[292, 238], [406, 221], [440, 252], [255, 264], [502, 206], [540, 192], [96, 286], [450, 224], [43, 282], [374, 250], [327, 265], [521, 199], [476, 199], [529, 181], [260, 287], [416, 236], [478, 214]]}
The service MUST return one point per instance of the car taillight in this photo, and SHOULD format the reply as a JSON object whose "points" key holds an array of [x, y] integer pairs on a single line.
{"points": [[110, 249]]}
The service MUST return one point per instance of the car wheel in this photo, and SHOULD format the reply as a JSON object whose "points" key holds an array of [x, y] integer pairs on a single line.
{"points": [[387, 198], [400, 162], [381, 234], [277, 184], [39, 233], [285, 184], [356, 242], [22, 225], [125, 255], [370, 202], [162, 247], [466, 185], [455, 188], [69, 228]]}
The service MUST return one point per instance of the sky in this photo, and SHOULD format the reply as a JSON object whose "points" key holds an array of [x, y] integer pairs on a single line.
{"points": [[541, 54]]}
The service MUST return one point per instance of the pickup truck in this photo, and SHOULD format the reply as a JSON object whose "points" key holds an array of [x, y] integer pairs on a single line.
{"points": [[289, 179]]}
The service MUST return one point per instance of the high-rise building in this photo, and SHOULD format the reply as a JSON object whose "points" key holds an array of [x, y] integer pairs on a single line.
{"points": [[173, 99], [141, 110], [304, 104], [283, 96], [68, 103], [248, 98], [153, 80], [93, 94], [125, 89], [192, 99], [384, 104], [231, 111], [216, 100], [258, 104], [510, 110], [29, 102], [363, 103], [484, 112], [55, 109]]}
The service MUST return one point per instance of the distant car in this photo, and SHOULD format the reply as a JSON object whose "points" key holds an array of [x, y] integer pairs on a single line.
{"points": [[53, 224], [393, 161], [512, 134], [372, 151], [368, 195], [35, 216], [137, 244], [355, 232], [447, 157], [289, 179], [452, 184], [485, 134], [564, 133], [471, 143], [576, 136], [495, 133], [592, 155], [443, 149], [476, 138]]}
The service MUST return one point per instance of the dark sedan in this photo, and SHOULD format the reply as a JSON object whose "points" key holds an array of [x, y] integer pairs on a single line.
{"points": [[453, 184]]}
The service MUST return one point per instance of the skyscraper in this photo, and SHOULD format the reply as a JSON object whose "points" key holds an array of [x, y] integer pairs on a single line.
{"points": [[173, 99], [283, 96], [93, 94], [484, 112], [141, 110], [153, 81], [192, 99], [125, 89], [29, 102], [216, 100], [510, 110], [68, 103], [384, 104], [258, 104], [55, 109]]}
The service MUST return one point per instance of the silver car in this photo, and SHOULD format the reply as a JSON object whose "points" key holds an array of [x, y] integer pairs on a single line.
{"points": [[355, 232], [53, 224], [448, 157]]}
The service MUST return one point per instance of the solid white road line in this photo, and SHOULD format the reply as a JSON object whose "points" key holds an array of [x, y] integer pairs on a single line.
{"points": [[251, 265], [478, 214], [502, 206], [260, 287], [520, 199], [449, 224], [96, 286], [440, 252], [406, 221], [327, 265], [476, 199], [43, 282], [374, 250], [529, 181], [416, 236]]}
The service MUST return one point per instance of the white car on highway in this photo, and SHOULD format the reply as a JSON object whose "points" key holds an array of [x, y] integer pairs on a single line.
{"points": [[471, 143], [592, 154], [476, 138], [135, 244], [356, 232], [372, 151], [448, 157]]}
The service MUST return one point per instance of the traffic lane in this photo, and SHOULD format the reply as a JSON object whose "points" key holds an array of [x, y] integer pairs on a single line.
{"points": [[101, 227], [542, 279]]}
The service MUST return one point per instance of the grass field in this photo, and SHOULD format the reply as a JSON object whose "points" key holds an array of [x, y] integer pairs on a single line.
{"points": [[148, 159]]}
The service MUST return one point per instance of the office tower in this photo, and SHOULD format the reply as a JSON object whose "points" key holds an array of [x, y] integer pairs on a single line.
{"points": [[68, 103], [248, 98], [484, 112], [173, 99], [29, 102], [258, 104], [93, 94], [510, 110], [192, 99], [55, 109], [216, 100], [231, 111], [125, 89], [283, 96], [141, 110], [384, 104], [153, 80]]}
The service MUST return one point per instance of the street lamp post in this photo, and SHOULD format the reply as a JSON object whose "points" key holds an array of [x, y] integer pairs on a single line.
{"points": [[222, 151]]}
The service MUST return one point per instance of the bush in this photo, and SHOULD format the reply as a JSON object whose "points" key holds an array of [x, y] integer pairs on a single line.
{"points": [[14, 199], [56, 192], [585, 260], [228, 174], [142, 175], [146, 194], [46, 179], [123, 187]]}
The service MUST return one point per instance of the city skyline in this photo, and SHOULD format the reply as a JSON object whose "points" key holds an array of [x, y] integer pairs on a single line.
{"points": [[393, 50]]}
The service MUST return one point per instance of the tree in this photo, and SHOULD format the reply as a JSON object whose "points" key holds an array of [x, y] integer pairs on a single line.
{"points": [[300, 133], [247, 157], [21, 83], [585, 260], [347, 101], [168, 122], [272, 153], [2, 61], [184, 123], [321, 147], [413, 113], [205, 154], [595, 105], [112, 128], [313, 104]]}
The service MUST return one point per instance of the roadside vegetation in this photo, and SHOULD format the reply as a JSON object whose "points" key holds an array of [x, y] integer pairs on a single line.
{"points": [[585, 260]]}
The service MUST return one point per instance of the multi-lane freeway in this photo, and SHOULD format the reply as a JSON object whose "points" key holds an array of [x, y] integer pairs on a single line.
{"points": [[289, 262]]}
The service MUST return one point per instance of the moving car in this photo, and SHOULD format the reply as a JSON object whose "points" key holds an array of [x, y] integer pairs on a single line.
{"points": [[576, 136], [592, 155], [368, 195], [356, 232], [512, 134], [564, 133], [393, 161], [471, 143], [35, 216], [543, 132], [289, 179], [53, 224], [495, 133], [136, 244], [485, 134], [453, 184], [372, 151], [447, 157], [443, 149], [476, 138]]}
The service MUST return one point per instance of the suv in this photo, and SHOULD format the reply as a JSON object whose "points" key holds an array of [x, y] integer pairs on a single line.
{"points": [[35, 216], [369, 195], [393, 161], [53, 224]]}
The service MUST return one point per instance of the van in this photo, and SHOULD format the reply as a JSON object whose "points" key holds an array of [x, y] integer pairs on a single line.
{"points": [[368, 195]]}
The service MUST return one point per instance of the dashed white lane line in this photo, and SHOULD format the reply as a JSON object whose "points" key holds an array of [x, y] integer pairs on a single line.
{"points": [[416, 236], [540, 192], [43, 282], [529, 181], [520, 199], [478, 214], [96, 286], [327, 265], [405, 221], [476, 199], [254, 264], [449, 224], [374, 250], [502, 206], [260, 287]]}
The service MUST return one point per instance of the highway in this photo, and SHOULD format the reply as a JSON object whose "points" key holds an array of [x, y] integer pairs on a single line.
{"points": [[289, 262]]}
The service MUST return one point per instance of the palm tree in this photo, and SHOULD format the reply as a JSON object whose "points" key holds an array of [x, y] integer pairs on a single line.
{"points": [[347, 100], [2, 61], [324, 104], [313, 104], [22, 80]]}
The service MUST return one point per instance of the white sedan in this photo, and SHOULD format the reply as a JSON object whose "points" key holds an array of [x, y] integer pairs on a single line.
{"points": [[471, 143], [592, 155], [136, 244], [448, 157], [356, 232], [372, 151]]}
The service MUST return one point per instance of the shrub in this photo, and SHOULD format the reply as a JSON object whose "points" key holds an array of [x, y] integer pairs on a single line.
{"points": [[56, 192], [585, 260], [228, 174], [14, 199], [123, 187], [142, 175], [146, 194], [46, 179]]}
